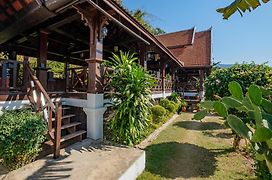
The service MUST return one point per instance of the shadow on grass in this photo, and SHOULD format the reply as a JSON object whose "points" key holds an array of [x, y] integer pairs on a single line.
{"points": [[201, 126], [222, 135], [178, 160]]}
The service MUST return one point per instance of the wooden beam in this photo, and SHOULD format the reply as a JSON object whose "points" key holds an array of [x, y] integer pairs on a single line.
{"points": [[63, 22], [71, 36]]}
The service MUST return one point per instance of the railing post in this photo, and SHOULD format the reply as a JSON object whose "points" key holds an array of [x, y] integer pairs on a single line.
{"points": [[4, 76], [50, 115], [26, 78], [163, 66], [58, 118]]}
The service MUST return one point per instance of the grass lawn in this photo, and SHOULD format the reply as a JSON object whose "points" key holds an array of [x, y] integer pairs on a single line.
{"points": [[195, 150]]}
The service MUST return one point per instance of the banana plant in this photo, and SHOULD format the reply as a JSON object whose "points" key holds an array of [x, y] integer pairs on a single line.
{"points": [[256, 127]]}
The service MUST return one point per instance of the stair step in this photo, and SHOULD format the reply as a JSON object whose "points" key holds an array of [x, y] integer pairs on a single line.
{"points": [[70, 125], [66, 116], [73, 135], [66, 108], [66, 126]]}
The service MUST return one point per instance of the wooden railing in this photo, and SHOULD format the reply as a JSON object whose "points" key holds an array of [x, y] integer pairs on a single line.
{"points": [[11, 76], [158, 87], [168, 85], [78, 79], [42, 103]]}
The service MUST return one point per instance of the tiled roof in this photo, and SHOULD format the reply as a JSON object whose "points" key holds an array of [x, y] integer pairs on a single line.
{"points": [[180, 38], [198, 54]]}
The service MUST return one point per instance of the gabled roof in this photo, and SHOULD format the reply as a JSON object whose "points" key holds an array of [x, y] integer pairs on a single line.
{"points": [[180, 38], [194, 54], [119, 9]]}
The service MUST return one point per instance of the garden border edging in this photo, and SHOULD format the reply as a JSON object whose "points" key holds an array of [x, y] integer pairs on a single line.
{"points": [[155, 134]]}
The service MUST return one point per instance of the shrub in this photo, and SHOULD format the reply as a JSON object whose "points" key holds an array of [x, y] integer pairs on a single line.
{"points": [[175, 97], [21, 135], [158, 113], [245, 74], [164, 102], [131, 86], [168, 105]]}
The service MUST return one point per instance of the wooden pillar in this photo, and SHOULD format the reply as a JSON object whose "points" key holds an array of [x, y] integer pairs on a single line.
{"points": [[25, 74], [201, 80], [67, 75], [41, 63], [94, 62], [173, 78], [12, 55], [142, 55], [163, 66]]}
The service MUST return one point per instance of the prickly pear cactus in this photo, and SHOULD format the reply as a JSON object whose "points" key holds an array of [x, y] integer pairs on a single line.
{"points": [[256, 126]]}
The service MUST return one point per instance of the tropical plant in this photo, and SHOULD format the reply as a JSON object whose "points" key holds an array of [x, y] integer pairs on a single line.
{"points": [[131, 86], [158, 113], [175, 97], [245, 74], [183, 103], [241, 6], [256, 126], [21, 136]]}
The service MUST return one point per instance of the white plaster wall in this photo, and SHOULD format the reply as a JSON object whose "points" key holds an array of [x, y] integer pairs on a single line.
{"points": [[12, 105]]}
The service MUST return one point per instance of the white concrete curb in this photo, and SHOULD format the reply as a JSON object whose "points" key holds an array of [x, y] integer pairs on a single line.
{"points": [[135, 169]]}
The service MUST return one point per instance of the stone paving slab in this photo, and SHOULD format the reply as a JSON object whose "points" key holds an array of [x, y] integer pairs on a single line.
{"points": [[85, 160]]}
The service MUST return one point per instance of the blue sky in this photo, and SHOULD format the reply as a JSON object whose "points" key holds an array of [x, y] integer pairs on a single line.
{"points": [[235, 40]]}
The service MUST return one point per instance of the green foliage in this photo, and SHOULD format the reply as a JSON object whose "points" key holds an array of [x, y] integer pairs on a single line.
{"points": [[158, 113], [255, 126], [201, 114], [183, 103], [175, 97], [168, 105], [131, 97], [164, 102], [141, 16], [21, 135], [57, 68], [241, 6], [217, 84]]}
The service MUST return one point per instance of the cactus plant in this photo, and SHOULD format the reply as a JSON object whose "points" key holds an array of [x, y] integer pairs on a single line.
{"points": [[256, 126]]}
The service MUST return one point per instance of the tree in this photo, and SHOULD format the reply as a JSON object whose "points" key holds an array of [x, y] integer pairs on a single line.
{"points": [[141, 17], [241, 6]]}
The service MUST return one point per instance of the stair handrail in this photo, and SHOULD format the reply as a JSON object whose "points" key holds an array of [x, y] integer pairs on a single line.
{"points": [[56, 134], [41, 88]]}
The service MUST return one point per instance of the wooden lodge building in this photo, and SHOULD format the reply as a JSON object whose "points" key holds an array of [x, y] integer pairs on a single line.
{"points": [[80, 34], [194, 50]]}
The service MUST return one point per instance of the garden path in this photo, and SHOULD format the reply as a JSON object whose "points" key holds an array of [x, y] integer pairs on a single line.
{"points": [[195, 150]]}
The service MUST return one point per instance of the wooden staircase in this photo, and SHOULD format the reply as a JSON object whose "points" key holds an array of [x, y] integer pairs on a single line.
{"points": [[61, 123]]}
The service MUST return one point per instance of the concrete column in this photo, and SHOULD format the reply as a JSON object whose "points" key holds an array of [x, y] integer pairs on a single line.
{"points": [[95, 110]]}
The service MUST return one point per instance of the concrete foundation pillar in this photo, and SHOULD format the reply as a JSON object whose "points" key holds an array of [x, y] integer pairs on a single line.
{"points": [[95, 110]]}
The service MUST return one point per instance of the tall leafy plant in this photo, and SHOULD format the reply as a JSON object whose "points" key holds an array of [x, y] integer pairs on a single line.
{"points": [[256, 126], [131, 86], [245, 74]]}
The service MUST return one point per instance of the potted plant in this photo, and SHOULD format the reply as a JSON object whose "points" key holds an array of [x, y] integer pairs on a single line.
{"points": [[183, 105]]}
